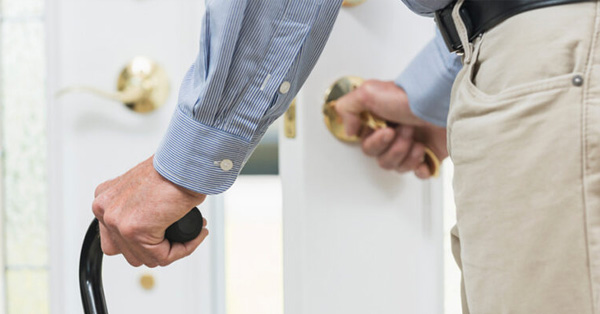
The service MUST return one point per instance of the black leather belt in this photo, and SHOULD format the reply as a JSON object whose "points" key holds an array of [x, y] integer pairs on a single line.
{"points": [[482, 15]]}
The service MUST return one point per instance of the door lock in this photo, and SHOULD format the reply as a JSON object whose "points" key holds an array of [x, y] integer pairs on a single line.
{"points": [[147, 282], [143, 86], [335, 124]]}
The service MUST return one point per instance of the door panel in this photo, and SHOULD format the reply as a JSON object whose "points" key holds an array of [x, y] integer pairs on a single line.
{"points": [[94, 139], [358, 239]]}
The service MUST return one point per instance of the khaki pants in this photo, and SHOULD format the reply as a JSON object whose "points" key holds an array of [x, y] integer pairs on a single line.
{"points": [[524, 135]]}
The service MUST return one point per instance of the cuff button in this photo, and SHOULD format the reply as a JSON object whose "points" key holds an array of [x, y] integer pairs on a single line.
{"points": [[285, 87], [226, 165]]}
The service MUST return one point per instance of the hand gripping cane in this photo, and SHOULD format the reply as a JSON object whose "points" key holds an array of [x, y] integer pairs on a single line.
{"points": [[90, 262]]}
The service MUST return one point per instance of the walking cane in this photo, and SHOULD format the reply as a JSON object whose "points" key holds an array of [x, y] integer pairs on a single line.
{"points": [[90, 262]]}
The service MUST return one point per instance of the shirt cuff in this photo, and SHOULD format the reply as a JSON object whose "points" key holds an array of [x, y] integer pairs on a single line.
{"points": [[198, 157], [428, 82]]}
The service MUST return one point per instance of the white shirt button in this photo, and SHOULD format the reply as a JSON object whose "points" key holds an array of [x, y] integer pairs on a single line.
{"points": [[285, 87], [226, 164]]}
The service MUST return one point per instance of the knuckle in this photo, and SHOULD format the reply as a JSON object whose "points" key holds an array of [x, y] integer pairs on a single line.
{"points": [[368, 93], [99, 189], [135, 263], [108, 248], [398, 151], [110, 251], [365, 92], [129, 230], [402, 170], [417, 154], [110, 220], [371, 147], [160, 259], [164, 262], [369, 85], [409, 164], [385, 164], [366, 148], [98, 208]]}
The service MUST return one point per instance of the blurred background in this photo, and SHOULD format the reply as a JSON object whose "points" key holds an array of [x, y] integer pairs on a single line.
{"points": [[281, 228]]}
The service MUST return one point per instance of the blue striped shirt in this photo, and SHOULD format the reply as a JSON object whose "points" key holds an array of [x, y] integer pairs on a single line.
{"points": [[254, 57]]}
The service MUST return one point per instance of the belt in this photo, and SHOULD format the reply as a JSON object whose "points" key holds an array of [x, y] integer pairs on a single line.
{"points": [[480, 16]]}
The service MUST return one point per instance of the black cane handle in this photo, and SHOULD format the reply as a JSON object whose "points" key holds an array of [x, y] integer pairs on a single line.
{"points": [[187, 228], [90, 261]]}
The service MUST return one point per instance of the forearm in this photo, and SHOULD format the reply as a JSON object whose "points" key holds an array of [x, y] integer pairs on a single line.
{"points": [[426, 7], [428, 81], [255, 56]]}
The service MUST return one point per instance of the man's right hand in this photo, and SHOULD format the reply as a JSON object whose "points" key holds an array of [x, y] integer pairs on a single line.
{"points": [[401, 148]]}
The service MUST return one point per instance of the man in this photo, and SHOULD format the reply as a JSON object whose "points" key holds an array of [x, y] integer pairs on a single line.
{"points": [[524, 138], [522, 132], [254, 57]]}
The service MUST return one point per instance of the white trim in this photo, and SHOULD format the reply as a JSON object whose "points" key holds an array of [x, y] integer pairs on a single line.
{"points": [[3, 296], [54, 162], [436, 211], [217, 252]]}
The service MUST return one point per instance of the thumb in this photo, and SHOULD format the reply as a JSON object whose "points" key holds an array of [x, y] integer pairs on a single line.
{"points": [[389, 101], [349, 109]]}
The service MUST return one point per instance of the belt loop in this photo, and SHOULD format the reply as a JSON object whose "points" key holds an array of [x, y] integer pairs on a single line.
{"points": [[462, 32]]}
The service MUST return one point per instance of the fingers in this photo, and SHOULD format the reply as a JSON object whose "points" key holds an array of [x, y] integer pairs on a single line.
{"points": [[349, 115], [162, 254], [165, 253], [413, 158], [423, 172], [398, 150], [180, 250], [350, 106], [378, 142], [395, 149], [111, 247]]}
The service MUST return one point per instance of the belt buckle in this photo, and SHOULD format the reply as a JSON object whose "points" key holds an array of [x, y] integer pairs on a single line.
{"points": [[445, 23]]}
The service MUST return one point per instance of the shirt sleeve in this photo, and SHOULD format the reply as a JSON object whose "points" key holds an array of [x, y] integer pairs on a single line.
{"points": [[426, 7], [428, 81], [254, 57]]}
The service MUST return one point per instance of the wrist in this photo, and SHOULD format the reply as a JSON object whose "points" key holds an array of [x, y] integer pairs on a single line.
{"points": [[193, 196]]}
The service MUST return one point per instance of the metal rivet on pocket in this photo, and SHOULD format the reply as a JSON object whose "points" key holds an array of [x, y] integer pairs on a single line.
{"points": [[577, 80]]}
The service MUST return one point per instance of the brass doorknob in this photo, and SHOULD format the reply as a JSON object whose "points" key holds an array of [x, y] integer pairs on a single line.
{"points": [[335, 124], [143, 86]]}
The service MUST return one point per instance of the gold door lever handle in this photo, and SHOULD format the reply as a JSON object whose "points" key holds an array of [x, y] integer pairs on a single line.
{"points": [[335, 124], [143, 86]]}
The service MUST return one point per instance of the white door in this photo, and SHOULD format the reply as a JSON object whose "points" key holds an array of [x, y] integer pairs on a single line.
{"points": [[358, 239], [94, 139]]}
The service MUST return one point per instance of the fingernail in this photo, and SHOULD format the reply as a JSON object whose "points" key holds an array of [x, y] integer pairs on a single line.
{"points": [[406, 133]]}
